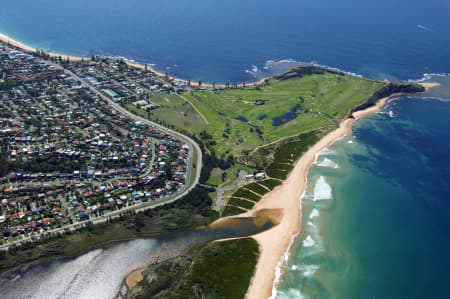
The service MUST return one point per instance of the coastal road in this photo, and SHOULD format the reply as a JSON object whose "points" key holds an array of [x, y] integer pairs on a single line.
{"points": [[220, 202], [194, 147], [194, 151]]}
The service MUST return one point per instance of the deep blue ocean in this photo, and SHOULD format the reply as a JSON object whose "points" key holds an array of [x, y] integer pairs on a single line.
{"points": [[376, 213], [219, 40]]}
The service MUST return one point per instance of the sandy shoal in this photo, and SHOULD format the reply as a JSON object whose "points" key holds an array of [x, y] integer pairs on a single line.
{"points": [[430, 85], [134, 278]]}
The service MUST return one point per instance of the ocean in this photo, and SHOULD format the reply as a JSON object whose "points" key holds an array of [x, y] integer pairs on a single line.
{"points": [[375, 215], [233, 40]]}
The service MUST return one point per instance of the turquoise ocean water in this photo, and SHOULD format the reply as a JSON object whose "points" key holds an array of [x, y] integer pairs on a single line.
{"points": [[376, 212]]}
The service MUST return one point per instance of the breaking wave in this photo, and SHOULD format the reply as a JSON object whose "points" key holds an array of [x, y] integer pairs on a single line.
{"points": [[314, 214], [429, 76], [328, 163], [327, 152], [308, 242], [306, 270], [276, 67], [291, 294], [322, 190]]}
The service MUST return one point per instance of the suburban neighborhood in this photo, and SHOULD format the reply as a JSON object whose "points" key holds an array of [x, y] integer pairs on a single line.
{"points": [[67, 150]]}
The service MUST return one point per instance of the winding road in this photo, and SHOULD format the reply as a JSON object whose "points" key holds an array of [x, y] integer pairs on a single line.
{"points": [[194, 151]]}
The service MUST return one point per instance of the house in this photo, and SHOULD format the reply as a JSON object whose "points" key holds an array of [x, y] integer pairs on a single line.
{"points": [[260, 176]]}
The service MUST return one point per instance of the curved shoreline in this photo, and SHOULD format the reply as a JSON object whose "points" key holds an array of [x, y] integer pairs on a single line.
{"points": [[18, 44], [276, 243]]}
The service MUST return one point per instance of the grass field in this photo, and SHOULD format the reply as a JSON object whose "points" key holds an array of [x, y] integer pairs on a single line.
{"points": [[255, 187], [230, 176], [288, 152], [177, 112], [231, 211], [285, 154], [271, 183], [241, 203], [318, 100], [247, 195]]}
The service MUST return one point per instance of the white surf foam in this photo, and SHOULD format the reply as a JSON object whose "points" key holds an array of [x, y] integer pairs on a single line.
{"points": [[309, 270], [284, 258], [391, 114], [322, 190], [314, 214], [328, 163], [429, 76], [425, 28], [277, 67], [308, 242], [327, 152], [291, 294]]}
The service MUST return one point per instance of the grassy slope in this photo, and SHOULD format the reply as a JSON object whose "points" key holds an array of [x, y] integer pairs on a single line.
{"points": [[332, 95], [328, 97], [286, 153], [218, 270]]}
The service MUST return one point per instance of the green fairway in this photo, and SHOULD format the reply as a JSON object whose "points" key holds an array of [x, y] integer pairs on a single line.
{"points": [[175, 111], [317, 100], [266, 127], [238, 120]]}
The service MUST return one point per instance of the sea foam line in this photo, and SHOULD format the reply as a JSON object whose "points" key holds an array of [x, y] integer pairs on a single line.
{"points": [[273, 63], [429, 76], [285, 257]]}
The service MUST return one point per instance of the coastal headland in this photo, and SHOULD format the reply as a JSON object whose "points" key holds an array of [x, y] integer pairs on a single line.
{"points": [[283, 203], [275, 243]]}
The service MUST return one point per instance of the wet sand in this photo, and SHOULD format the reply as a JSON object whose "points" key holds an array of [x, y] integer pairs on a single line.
{"points": [[134, 278]]}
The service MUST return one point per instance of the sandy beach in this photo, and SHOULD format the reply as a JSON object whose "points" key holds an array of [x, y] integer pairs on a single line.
{"points": [[275, 243], [15, 43], [284, 201], [287, 197], [134, 278], [430, 85], [18, 44]]}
